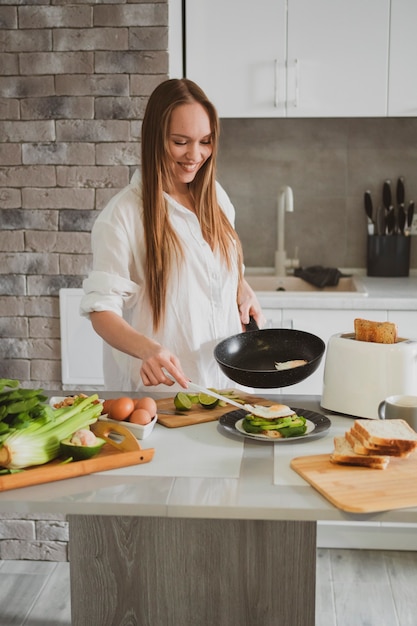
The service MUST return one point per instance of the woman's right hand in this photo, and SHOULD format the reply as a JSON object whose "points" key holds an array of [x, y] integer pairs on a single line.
{"points": [[155, 358], [154, 363]]}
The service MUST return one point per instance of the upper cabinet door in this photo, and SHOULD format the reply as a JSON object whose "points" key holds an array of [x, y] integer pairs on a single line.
{"points": [[236, 51], [290, 58], [338, 58], [403, 56]]}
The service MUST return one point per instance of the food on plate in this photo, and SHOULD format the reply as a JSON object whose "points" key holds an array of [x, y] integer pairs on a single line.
{"points": [[372, 443], [148, 404], [376, 332], [121, 408], [82, 445], [289, 425], [140, 416], [68, 401], [273, 411], [287, 365]]}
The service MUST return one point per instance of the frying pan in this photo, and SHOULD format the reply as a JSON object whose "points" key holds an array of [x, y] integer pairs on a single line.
{"points": [[249, 358]]}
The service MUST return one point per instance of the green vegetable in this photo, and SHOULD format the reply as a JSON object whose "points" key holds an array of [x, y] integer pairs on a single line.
{"points": [[290, 426], [8, 382], [38, 442]]}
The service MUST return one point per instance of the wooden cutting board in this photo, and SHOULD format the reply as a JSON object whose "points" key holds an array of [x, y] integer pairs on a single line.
{"points": [[361, 489], [198, 414], [125, 451]]}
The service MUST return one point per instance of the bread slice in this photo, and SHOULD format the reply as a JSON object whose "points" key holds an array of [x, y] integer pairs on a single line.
{"points": [[376, 332], [344, 454], [393, 433], [361, 446]]}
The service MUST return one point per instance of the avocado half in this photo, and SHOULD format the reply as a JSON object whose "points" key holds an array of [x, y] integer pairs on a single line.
{"points": [[80, 453]]}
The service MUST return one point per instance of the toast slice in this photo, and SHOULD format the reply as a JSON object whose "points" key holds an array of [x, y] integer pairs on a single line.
{"points": [[376, 332], [360, 446], [344, 454], [393, 433]]}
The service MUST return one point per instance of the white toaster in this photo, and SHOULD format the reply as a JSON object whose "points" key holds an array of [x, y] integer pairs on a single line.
{"points": [[358, 375]]}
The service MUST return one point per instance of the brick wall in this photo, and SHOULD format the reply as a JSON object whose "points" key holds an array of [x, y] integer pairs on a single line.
{"points": [[74, 81], [35, 537]]}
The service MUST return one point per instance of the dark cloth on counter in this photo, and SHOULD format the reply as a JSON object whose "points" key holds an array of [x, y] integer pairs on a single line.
{"points": [[320, 276]]}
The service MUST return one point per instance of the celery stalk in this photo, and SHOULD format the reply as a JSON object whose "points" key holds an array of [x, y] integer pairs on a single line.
{"points": [[36, 445]]}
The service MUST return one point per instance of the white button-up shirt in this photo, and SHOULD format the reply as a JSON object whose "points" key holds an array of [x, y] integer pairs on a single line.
{"points": [[201, 303]]}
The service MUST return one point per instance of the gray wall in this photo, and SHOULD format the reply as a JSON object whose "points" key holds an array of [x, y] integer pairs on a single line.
{"points": [[329, 163]]}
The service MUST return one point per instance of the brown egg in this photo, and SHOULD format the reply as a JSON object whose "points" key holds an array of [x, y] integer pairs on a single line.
{"points": [[107, 406], [121, 409], [148, 404], [140, 416]]}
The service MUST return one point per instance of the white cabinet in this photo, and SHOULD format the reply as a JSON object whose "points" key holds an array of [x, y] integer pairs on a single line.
{"points": [[290, 58], [341, 50], [406, 322], [236, 52], [403, 54]]}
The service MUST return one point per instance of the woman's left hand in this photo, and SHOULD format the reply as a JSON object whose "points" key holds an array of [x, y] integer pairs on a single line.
{"points": [[249, 306]]}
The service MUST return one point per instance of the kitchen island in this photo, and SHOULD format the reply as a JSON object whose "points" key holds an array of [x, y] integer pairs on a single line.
{"points": [[213, 546]]}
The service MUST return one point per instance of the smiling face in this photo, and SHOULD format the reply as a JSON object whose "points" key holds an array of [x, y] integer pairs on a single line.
{"points": [[189, 143]]}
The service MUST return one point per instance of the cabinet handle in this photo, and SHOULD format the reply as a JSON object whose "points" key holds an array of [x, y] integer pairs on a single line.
{"points": [[276, 83], [295, 102]]}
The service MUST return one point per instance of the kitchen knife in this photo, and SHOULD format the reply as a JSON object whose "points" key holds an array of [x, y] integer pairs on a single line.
{"points": [[401, 218], [390, 221], [386, 195], [410, 214], [369, 211], [380, 221], [400, 191]]}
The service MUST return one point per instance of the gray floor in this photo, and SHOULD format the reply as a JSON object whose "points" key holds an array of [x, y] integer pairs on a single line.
{"points": [[354, 588]]}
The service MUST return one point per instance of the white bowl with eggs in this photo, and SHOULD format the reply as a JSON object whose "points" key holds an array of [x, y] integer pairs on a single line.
{"points": [[136, 414], [140, 431]]}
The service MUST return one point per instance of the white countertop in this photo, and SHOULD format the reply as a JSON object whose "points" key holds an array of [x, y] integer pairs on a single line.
{"points": [[251, 495], [382, 293]]}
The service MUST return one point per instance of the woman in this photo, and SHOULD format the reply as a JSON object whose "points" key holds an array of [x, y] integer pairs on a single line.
{"points": [[167, 284]]}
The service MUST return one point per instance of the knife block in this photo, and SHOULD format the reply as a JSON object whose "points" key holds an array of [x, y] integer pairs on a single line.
{"points": [[388, 255]]}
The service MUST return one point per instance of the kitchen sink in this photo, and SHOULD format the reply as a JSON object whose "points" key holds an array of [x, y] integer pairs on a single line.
{"points": [[348, 286]]}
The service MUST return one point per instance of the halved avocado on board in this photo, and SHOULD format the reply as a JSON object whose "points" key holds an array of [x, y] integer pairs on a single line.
{"points": [[80, 453]]}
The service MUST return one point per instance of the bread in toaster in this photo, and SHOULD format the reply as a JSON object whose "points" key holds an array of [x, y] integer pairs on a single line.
{"points": [[376, 332]]}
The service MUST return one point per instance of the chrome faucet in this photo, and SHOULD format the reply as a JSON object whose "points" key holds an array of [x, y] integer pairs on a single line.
{"points": [[285, 203]]}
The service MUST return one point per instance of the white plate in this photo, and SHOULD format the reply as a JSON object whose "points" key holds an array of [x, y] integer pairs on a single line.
{"points": [[317, 425]]}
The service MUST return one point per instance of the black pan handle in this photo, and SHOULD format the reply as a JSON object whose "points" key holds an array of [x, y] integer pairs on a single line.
{"points": [[252, 324]]}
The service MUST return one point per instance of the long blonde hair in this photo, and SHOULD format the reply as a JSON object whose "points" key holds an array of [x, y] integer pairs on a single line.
{"points": [[162, 243]]}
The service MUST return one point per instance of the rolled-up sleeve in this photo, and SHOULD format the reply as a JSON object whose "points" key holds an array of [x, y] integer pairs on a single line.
{"points": [[107, 292]]}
